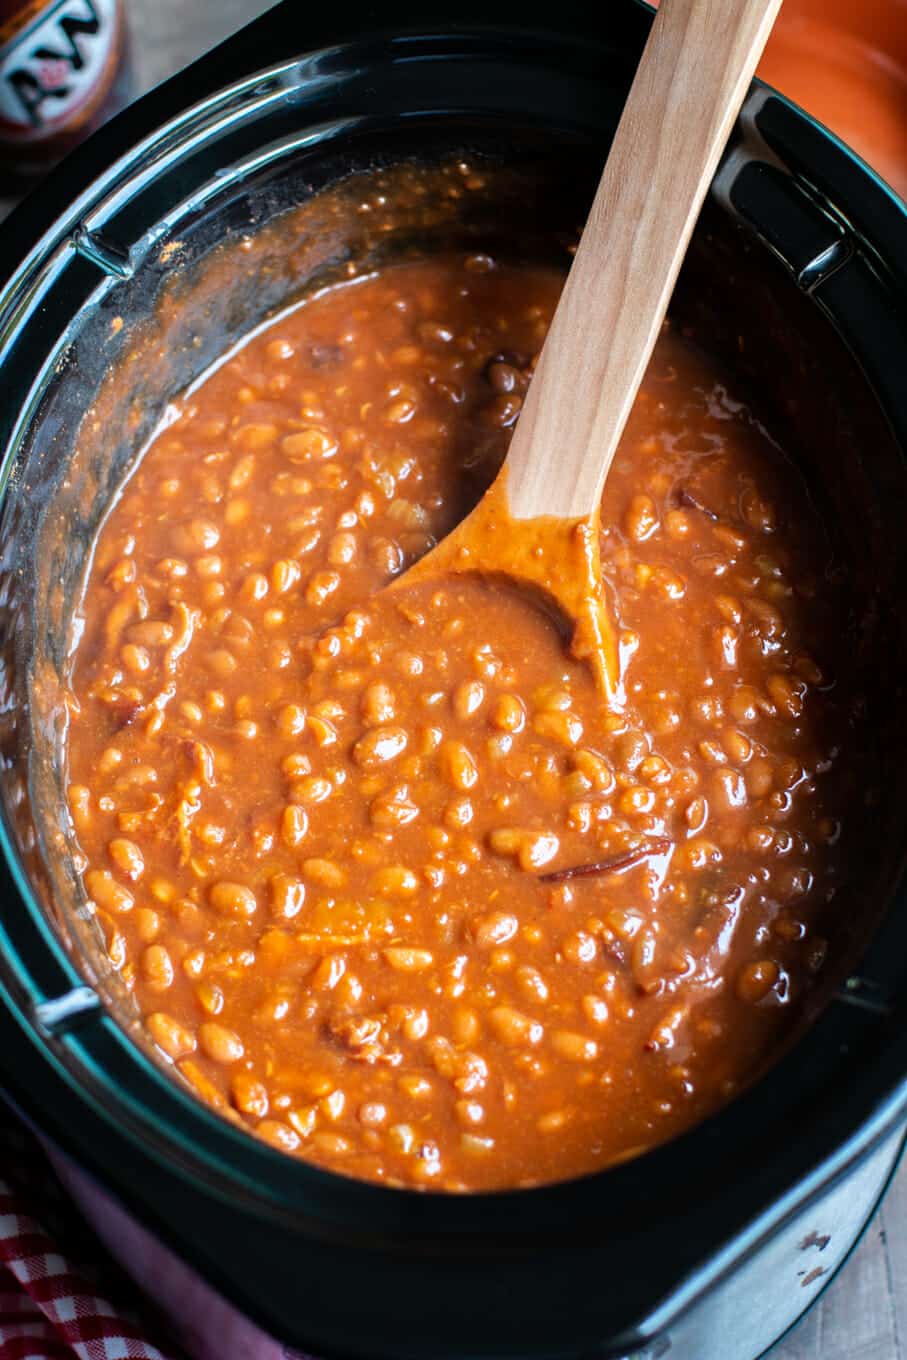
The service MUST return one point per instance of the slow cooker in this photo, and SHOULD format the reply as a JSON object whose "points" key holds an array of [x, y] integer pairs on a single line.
{"points": [[153, 242]]}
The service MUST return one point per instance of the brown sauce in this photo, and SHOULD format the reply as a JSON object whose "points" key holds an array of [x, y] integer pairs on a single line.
{"points": [[389, 882]]}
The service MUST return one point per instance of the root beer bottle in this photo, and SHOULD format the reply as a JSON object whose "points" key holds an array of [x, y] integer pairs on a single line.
{"points": [[63, 70]]}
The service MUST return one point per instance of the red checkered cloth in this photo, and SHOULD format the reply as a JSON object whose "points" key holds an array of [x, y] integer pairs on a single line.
{"points": [[61, 1296]]}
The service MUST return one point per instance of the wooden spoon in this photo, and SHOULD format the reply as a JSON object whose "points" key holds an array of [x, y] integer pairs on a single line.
{"points": [[538, 524]]}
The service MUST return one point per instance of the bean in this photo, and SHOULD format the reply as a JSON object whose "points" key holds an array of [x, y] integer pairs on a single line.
{"points": [[325, 872], [514, 1028], [532, 984], [379, 747], [677, 524], [580, 948], [468, 698], [404, 959], [641, 518], [210, 997], [114, 941], [787, 693], [169, 1035], [533, 849], [209, 567], [309, 445], [553, 1121], [203, 1084], [400, 412], [493, 929], [107, 893], [696, 813], [668, 584], [243, 471], [233, 899], [147, 924], [393, 808], [278, 1135], [471, 1143], [284, 575], [249, 1095], [631, 749], [401, 1138], [321, 586], [294, 825], [333, 1105], [503, 410], [342, 549], [123, 574], [552, 698], [385, 556], [756, 980], [372, 1114], [197, 535], [222, 662], [595, 1009], [728, 789], [151, 633], [379, 705], [80, 806], [746, 704], [727, 642], [664, 1034], [416, 1024], [110, 760], [291, 721], [636, 799], [595, 768], [537, 849], [313, 788], [759, 513], [260, 435], [466, 1025], [509, 714], [324, 731], [697, 854], [458, 814], [220, 1044], [127, 857], [254, 588], [414, 1086], [395, 881], [469, 1113], [457, 765], [737, 746], [562, 727], [287, 896], [573, 1047], [350, 990], [157, 968]]}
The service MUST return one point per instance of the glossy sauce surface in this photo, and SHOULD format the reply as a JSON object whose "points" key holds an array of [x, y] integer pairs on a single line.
{"points": [[388, 880]]}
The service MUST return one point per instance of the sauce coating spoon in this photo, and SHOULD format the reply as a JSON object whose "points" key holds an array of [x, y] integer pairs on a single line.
{"points": [[538, 524]]}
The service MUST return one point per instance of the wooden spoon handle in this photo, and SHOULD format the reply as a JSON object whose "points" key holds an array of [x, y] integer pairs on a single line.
{"points": [[694, 73]]}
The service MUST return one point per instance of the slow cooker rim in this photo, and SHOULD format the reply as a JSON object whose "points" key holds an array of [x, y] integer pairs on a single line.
{"points": [[209, 1124], [108, 191]]}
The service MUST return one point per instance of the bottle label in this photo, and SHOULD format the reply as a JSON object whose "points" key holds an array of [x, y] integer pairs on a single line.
{"points": [[51, 66]]}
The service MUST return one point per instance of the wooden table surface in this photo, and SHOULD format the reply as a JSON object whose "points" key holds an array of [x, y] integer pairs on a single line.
{"points": [[863, 1314]]}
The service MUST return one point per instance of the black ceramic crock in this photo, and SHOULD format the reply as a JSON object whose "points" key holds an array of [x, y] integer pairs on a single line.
{"points": [[708, 1247]]}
